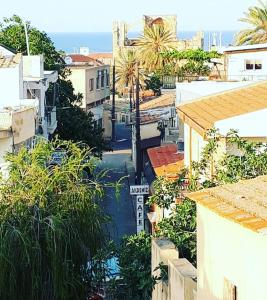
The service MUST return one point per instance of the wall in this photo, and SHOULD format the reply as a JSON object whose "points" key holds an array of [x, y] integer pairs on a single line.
{"points": [[181, 282], [228, 250], [96, 94], [149, 130], [5, 146], [33, 66], [77, 77], [23, 125], [236, 66], [12, 90]]}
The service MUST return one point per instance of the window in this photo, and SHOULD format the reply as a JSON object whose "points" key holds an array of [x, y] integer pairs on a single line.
{"points": [[253, 64], [98, 81], [229, 290], [91, 84], [102, 78], [107, 78]]}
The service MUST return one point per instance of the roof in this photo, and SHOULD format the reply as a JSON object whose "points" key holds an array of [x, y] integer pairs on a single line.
{"points": [[10, 61], [161, 101], [203, 113], [246, 48], [79, 58], [165, 160], [244, 202], [101, 55], [146, 119]]}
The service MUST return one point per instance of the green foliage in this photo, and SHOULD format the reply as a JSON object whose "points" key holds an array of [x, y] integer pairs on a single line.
{"points": [[180, 228], [154, 83], [73, 123], [256, 18], [50, 224], [12, 34], [166, 190], [186, 63], [135, 267]]}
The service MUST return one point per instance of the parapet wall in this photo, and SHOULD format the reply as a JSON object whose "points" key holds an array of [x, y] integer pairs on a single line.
{"points": [[181, 283]]}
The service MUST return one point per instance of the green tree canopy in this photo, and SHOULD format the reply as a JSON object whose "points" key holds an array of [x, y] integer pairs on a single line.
{"points": [[50, 223], [73, 123], [256, 19]]}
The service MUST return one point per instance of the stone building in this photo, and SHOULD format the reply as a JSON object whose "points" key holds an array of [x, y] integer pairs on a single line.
{"points": [[122, 41]]}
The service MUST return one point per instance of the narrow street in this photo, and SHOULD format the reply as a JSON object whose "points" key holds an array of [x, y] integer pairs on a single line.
{"points": [[119, 163]]}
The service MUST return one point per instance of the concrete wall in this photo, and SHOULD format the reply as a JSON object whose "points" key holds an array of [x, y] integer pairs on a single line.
{"points": [[33, 66], [181, 282], [80, 78], [11, 90], [229, 252], [149, 130], [236, 68]]}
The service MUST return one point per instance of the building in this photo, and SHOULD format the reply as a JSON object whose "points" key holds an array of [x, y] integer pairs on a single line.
{"points": [[231, 241], [36, 83], [122, 40], [105, 57], [91, 78], [243, 109], [17, 114], [247, 62]]}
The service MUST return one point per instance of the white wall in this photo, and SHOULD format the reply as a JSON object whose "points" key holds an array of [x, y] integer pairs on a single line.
{"points": [[11, 86], [236, 66], [149, 130], [227, 250], [33, 66]]}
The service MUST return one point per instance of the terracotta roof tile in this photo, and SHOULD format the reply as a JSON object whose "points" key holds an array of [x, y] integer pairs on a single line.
{"points": [[244, 202], [79, 58], [161, 101], [11, 61], [165, 160]]}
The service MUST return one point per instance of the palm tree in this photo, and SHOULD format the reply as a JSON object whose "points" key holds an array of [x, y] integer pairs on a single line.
{"points": [[155, 40], [126, 72], [256, 17]]}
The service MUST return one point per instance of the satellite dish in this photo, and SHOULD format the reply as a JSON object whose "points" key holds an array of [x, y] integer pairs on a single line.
{"points": [[68, 60]]}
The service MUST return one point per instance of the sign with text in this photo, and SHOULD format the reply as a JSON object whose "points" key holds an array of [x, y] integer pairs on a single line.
{"points": [[139, 213], [139, 189]]}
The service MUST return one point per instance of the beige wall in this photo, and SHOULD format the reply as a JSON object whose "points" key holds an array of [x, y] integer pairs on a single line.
{"points": [[23, 125], [80, 77], [226, 250], [149, 130], [181, 274]]}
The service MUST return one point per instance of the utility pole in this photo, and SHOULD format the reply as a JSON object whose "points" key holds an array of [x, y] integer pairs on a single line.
{"points": [[113, 118], [27, 38], [137, 129]]}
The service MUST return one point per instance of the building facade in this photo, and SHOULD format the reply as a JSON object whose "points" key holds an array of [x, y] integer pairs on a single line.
{"points": [[91, 78]]}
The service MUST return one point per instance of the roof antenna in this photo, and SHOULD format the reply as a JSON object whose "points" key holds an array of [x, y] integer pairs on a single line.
{"points": [[27, 38]]}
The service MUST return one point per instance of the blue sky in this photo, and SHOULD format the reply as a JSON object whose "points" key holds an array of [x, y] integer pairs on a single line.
{"points": [[96, 15]]}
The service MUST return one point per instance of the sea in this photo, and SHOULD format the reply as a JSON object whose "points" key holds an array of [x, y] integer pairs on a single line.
{"points": [[70, 42]]}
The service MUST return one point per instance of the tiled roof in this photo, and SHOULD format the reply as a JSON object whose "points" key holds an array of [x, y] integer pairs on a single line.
{"points": [[165, 160], [146, 119], [79, 58], [101, 55], [201, 114], [244, 202], [10, 61], [162, 101]]}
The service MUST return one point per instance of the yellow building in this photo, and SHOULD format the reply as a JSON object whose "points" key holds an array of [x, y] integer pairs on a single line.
{"points": [[231, 241], [243, 109]]}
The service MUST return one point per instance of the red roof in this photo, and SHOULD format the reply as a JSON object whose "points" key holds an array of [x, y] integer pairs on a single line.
{"points": [[79, 58], [164, 155]]}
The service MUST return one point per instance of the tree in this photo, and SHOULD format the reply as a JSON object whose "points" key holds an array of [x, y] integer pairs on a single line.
{"points": [[51, 224], [73, 123], [155, 40], [154, 83], [186, 63], [135, 268], [256, 18]]}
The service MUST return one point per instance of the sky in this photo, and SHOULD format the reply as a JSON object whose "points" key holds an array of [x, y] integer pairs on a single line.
{"points": [[97, 16]]}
